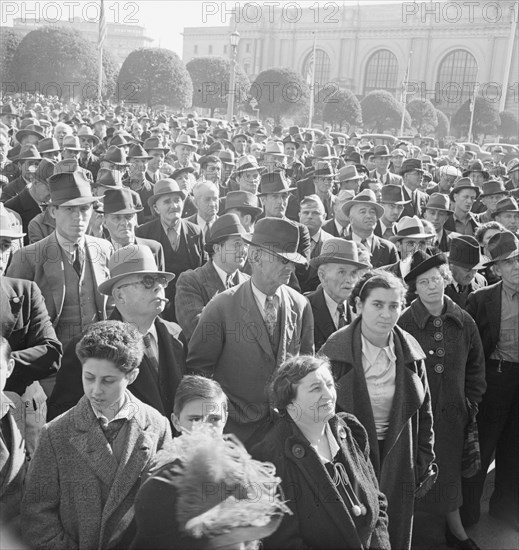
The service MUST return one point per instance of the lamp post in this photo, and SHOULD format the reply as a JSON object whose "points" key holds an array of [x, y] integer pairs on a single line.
{"points": [[235, 39]]}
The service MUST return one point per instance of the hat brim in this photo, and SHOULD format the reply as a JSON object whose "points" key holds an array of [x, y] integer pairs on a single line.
{"points": [[478, 266], [194, 147], [50, 151], [139, 157], [22, 133], [79, 201], [513, 254], [221, 238], [331, 259], [78, 149], [458, 189], [434, 261], [503, 192], [26, 158], [348, 206], [123, 211], [396, 238], [11, 234], [90, 136], [293, 257], [467, 172], [107, 286], [288, 190], [154, 198], [400, 203], [497, 212], [252, 210], [354, 178]]}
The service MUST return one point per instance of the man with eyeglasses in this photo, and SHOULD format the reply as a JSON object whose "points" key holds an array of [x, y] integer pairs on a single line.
{"points": [[137, 287], [448, 175], [248, 174], [211, 169]]}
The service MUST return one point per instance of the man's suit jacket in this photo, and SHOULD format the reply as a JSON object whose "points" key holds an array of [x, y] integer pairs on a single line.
{"points": [[13, 188], [394, 179], [27, 207], [331, 227], [27, 327], [417, 205], [461, 298], [157, 392], [382, 252], [312, 280], [195, 289], [42, 263], [89, 498], [41, 226], [232, 344], [378, 231]]}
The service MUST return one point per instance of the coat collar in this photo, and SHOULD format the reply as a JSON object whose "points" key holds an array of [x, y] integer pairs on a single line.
{"points": [[421, 314]]}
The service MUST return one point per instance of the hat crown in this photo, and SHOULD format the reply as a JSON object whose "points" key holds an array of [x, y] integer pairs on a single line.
{"points": [[153, 143], [69, 186], [28, 152], [340, 249], [165, 186], [45, 170], [241, 199], [9, 225], [115, 155], [109, 178], [322, 150], [276, 235], [137, 150], [348, 173], [71, 141], [502, 245], [225, 226], [274, 182], [391, 193], [275, 148], [132, 259], [493, 187], [381, 151], [508, 204], [48, 144], [465, 250], [123, 199], [409, 226], [438, 201], [411, 164]]}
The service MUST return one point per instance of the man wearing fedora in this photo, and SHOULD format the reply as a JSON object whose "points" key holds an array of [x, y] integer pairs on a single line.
{"points": [[88, 142], [507, 214], [464, 262], [321, 183], [348, 178], [393, 201], [412, 174], [181, 240], [492, 192], [27, 162], [185, 151], [68, 265], [246, 332], [363, 212], [463, 196], [120, 208], [245, 205], [295, 168], [495, 309], [512, 179], [381, 172], [137, 287], [338, 268], [227, 254], [247, 175], [437, 213], [339, 225], [49, 149]]}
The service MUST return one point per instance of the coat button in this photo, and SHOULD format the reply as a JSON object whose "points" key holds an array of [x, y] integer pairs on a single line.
{"points": [[298, 451], [438, 368], [437, 322], [438, 336], [440, 352], [16, 300], [431, 352]]}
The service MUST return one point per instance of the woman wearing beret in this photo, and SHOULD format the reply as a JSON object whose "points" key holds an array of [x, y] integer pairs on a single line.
{"points": [[323, 462], [380, 373], [455, 366]]}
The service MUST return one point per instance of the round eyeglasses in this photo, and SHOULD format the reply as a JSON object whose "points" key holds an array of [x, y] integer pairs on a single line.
{"points": [[148, 281]]}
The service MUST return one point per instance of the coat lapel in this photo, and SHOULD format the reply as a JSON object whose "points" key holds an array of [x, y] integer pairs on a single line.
{"points": [[15, 456], [54, 271], [288, 326], [493, 307], [212, 282], [323, 319], [101, 274]]}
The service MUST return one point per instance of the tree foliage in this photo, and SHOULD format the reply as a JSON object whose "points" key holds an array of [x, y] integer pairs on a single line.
{"points": [[443, 128], [280, 92], [342, 108], [486, 118], [57, 61], [155, 76], [509, 126], [382, 112], [110, 70], [423, 115], [211, 77], [9, 42]]}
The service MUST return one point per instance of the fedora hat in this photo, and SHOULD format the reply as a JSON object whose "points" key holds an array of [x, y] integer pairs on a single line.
{"points": [[465, 252], [338, 251], [121, 200], [275, 148], [398, 153], [464, 183], [30, 130], [28, 152], [422, 262], [109, 178], [119, 140], [381, 151], [438, 201], [409, 227], [225, 226], [154, 144], [9, 109], [476, 166], [508, 204], [115, 156], [86, 132], [72, 143], [184, 139], [393, 194], [493, 187], [97, 119], [449, 170], [137, 151], [279, 237], [226, 156], [322, 151], [163, 187], [243, 200], [45, 170], [348, 173], [133, 259], [295, 139], [67, 166], [502, 246], [48, 145], [512, 166], [324, 170], [412, 165], [70, 189], [274, 182], [10, 228], [180, 171], [247, 163], [364, 197]]}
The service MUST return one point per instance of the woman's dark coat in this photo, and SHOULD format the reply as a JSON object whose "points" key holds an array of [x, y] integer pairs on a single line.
{"points": [[320, 519], [455, 370], [408, 448]]}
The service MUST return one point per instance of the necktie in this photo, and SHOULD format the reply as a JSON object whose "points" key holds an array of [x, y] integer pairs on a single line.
{"points": [[364, 243], [151, 351], [461, 289], [173, 238], [77, 264], [230, 280], [111, 429], [271, 315], [341, 310]]}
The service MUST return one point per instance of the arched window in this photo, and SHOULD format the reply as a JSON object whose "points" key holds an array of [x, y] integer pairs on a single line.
{"points": [[322, 67], [381, 72], [456, 78]]}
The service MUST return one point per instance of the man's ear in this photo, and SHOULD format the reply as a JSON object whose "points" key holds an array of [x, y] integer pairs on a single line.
{"points": [[176, 422], [52, 211], [132, 376]]}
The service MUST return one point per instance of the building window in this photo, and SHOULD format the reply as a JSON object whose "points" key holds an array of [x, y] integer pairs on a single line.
{"points": [[322, 67], [195, 49], [210, 49], [247, 47], [455, 82], [381, 72]]}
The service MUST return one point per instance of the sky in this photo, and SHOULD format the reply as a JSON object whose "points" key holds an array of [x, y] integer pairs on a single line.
{"points": [[164, 20]]}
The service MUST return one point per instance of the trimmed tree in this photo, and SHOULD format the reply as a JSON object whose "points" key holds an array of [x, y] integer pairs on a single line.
{"points": [[210, 77], [509, 127], [280, 92], [486, 118], [9, 42], [381, 112], [57, 61], [342, 108], [443, 129], [423, 115], [110, 70], [155, 76]]}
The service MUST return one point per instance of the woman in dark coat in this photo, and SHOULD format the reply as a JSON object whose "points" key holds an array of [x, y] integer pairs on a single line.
{"points": [[381, 379], [323, 462], [455, 366]]}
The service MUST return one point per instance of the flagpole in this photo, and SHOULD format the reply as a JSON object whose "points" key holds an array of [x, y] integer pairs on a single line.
{"points": [[312, 84], [101, 39], [404, 93], [472, 108]]}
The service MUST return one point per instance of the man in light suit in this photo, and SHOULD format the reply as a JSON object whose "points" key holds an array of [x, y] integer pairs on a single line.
{"points": [[382, 159], [68, 265], [195, 288], [246, 332]]}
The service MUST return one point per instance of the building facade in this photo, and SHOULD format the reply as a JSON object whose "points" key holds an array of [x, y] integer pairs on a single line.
{"points": [[448, 47]]}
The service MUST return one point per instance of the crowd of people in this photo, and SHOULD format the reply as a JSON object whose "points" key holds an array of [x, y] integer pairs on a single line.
{"points": [[216, 334]]}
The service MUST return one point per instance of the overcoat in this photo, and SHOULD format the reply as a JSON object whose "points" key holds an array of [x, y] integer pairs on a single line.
{"points": [[321, 519], [77, 495], [408, 448], [455, 366]]}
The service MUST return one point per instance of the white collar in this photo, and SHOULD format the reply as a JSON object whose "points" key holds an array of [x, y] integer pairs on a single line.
{"points": [[126, 411], [222, 274], [261, 297], [371, 351]]}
